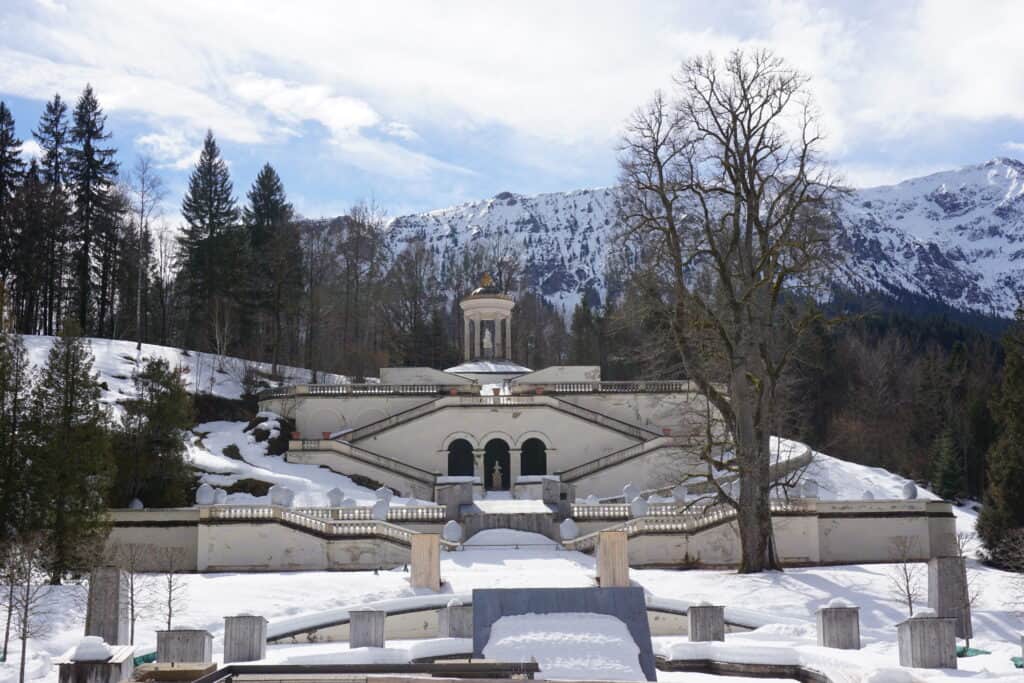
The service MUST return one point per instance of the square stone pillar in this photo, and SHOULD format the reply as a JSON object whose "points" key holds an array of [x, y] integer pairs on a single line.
{"points": [[245, 638], [116, 669], [948, 592], [927, 642], [453, 497], [426, 561], [455, 621], [184, 645], [365, 628], [706, 622], [839, 627], [106, 613], [612, 559]]}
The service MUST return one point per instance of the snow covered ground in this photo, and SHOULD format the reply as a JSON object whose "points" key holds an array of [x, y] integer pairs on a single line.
{"points": [[116, 359], [783, 604], [568, 646], [206, 450]]}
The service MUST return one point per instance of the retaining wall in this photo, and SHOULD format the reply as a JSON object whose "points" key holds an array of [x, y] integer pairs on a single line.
{"points": [[818, 532]]}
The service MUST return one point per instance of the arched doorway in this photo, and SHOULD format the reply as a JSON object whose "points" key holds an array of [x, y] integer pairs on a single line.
{"points": [[460, 458], [534, 458], [496, 466]]}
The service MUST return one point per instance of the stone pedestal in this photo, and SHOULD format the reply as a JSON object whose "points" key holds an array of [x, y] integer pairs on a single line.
{"points": [[95, 672], [948, 593], [612, 559], [927, 642], [107, 610], [839, 627], [118, 667], [706, 622], [245, 638], [455, 621], [184, 645], [426, 561], [365, 628], [453, 496]]}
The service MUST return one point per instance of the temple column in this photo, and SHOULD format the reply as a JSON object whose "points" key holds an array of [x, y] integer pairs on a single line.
{"points": [[515, 460], [467, 339], [508, 339], [499, 348]]}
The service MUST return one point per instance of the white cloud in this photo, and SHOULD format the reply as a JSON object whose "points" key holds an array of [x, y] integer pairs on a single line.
{"points": [[400, 130], [171, 148], [1014, 146], [560, 77], [30, 149]]}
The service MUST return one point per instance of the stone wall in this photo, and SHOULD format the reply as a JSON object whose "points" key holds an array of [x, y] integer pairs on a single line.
{"points": [[314, 415], [823, 532]]}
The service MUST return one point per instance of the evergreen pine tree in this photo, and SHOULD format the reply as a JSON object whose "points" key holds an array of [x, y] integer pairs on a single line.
{"points": [[149, 446], [16, 490], [27, 277], [52, 136], [92, 172], [584, 349], [72, 448], [1003, 511], [948, 477], [210, 244], [11, 169], [274, 270]]}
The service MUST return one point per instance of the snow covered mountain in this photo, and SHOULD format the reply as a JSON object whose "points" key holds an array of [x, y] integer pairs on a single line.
{"points": [[956, 237]]}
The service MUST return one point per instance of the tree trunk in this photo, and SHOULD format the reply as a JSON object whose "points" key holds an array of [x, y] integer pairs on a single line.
{"points": [[753, 457], [10, 617], [24, 633]]}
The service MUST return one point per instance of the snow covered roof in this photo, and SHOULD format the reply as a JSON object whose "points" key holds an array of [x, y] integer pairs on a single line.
{"points": [[484, 366]]}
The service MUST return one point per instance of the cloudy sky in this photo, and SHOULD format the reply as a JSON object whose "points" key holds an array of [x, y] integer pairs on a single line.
{"points": [[422, 105]]}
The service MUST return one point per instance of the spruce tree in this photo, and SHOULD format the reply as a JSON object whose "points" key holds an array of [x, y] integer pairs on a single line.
{"points": [[72, 448], [274, 269], [16, 487], [1003, 512], [210, 244], [28, 285], [11, 169], [149, 445], [948, 477], [92, 173], [52, 136], [585, 348]]}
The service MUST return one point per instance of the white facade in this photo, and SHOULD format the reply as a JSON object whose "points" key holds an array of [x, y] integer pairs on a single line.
{"points": [[495, 420]]}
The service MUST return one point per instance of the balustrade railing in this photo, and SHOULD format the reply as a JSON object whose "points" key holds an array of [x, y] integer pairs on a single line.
{"points": [[384, 462], [417, 513], [316, 523], [365, 389], [637, 387], [681, 522]]}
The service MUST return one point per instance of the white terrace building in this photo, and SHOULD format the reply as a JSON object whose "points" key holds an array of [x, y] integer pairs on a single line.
{"points": [[498, 422], [497, 445]]}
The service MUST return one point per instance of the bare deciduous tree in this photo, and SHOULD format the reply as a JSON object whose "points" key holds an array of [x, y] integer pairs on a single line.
{"points": [[8, 580], [31, 583], [130, 558], [170, 587], [725, 196], [147, 191], [907, 576]]}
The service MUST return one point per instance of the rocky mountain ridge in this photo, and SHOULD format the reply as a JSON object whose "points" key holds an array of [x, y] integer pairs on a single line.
{"points": [[955, 237]]}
